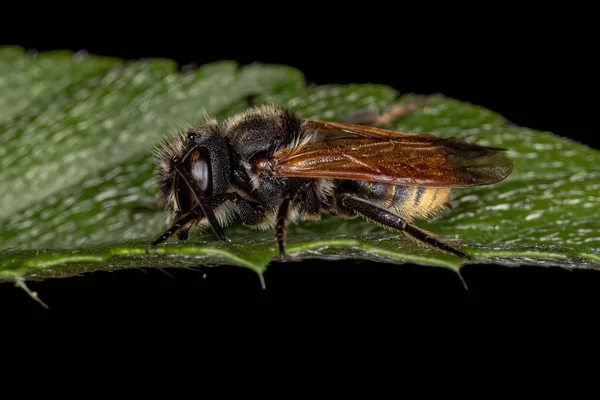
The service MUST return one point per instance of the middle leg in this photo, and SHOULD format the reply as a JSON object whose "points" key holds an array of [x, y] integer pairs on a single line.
{"points": [[283, 215]]}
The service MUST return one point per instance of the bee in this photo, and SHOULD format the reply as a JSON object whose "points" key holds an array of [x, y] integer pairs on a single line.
{"points": [[269, 167]]}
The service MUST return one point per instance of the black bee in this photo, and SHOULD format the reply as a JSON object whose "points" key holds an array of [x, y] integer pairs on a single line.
{"points": [[268, 167]]}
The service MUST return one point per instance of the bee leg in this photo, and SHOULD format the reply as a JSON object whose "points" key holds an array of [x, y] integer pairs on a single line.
{"points": [[281, 227], [283, 217], [182, 221], [156, 205], [362, 117], [378, 118], [183, 234], [202, 199], [372, 212], [250, 212], [185, 219]]}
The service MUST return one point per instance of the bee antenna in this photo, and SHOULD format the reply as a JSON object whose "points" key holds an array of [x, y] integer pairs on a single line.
{"points": [[202, 199]]}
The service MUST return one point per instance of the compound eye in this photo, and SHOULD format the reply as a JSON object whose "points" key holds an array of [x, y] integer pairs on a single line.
{"points": [[201, 169], [199, 165]]}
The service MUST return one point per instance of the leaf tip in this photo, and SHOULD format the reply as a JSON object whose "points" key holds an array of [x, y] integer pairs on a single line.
{"points": [[20, 283], [462, 279], [263, 284]]}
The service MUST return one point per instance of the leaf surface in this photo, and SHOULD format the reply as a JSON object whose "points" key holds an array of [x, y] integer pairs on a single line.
{"points": [[76, 141]]}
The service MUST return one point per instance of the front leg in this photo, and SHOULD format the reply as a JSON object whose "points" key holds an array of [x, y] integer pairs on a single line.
{"points": [[181, 222], [247, 211], [352, 204]]}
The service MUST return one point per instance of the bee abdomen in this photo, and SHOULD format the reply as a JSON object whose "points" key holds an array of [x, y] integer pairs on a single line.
{"points": [[419, 202], [378, 192], [407, 201]]}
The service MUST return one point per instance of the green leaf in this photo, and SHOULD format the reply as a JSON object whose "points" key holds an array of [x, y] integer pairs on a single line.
{"points": [[77, 134]]}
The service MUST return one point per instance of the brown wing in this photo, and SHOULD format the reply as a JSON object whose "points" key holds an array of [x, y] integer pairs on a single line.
{"points": [[348, 130], [392, 157]]}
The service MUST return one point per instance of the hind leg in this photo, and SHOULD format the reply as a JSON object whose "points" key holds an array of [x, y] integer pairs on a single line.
{"points": [[377, 118], [353, 204]]}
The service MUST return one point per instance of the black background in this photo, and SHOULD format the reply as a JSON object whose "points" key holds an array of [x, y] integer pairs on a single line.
{"points": [[542, 78]]}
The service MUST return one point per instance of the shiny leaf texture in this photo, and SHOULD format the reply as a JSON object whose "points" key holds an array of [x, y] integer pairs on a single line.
{"points": [[76, 140]]}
